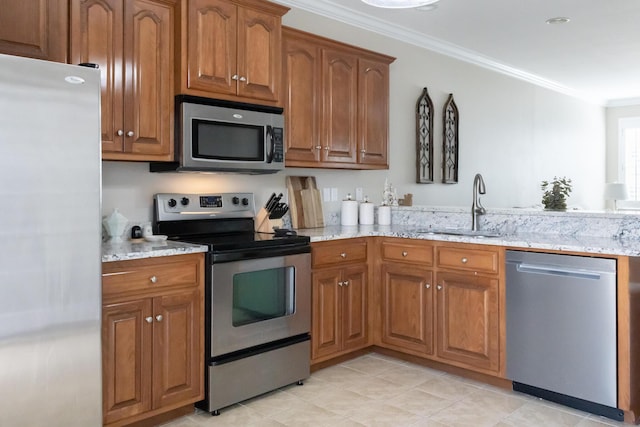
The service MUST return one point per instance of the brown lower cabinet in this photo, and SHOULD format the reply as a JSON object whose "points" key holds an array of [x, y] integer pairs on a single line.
{"points": [[152, 337], [441, 301], [339, 320]]}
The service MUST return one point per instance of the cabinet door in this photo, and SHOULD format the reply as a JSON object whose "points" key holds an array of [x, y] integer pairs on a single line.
{"points": [[340, 92], [467, 325], [302, 101], [373, 112], [148, 58], [325, 313], [35, 29], [97, 37], [126, 359], [176, 340], [259, 55], [407, 307], [211, 46], [354, 308]]}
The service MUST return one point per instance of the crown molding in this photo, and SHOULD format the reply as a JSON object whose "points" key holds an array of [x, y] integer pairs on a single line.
{"points": [[335, 11], [624, 102]]}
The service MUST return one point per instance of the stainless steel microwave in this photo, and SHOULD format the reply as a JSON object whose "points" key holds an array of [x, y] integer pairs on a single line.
{"points": [[224, 136]]}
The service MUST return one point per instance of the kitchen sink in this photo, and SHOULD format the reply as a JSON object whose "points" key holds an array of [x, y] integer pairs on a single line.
{"points": [[460, 232]]}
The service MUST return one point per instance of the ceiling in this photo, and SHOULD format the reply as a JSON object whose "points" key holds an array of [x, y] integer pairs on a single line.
{"points": [[595, 56]]}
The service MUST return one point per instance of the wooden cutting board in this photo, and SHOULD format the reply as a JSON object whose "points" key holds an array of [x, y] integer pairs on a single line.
{"points": [[305, 203]]}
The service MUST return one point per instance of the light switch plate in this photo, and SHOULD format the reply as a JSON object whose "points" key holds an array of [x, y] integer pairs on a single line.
{"points": [[359, 194], [334, 194], [326, 194]]}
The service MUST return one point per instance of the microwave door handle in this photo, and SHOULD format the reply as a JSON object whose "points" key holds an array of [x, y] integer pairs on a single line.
{"points": [[271, 142]]}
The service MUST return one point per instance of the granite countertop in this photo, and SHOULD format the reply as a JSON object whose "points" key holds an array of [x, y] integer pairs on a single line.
{"points": [[127, 249], [555, 242]]}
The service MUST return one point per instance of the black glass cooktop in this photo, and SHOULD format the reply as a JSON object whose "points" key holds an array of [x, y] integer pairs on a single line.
{"points": [[240, 241]]}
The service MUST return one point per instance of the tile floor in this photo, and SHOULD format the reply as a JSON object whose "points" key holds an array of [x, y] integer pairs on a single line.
{"points": [[376, 390]]}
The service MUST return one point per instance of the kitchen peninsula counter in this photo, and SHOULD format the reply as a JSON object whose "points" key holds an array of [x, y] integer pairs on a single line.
{"points": [[128, 250], [540, 241]]}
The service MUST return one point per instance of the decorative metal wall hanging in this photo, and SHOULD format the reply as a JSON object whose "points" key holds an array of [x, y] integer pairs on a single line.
{"points": [[424, 138], [450, 142]]}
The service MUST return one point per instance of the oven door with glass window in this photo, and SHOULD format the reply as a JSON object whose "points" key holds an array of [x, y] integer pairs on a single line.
{"points": [[258, 301]]}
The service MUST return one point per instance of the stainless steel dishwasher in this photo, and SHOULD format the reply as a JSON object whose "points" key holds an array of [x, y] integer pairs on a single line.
{"points": [[561, 329]]}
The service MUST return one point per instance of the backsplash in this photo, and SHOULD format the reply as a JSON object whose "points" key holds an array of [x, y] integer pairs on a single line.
{"points": [[518, 221]]}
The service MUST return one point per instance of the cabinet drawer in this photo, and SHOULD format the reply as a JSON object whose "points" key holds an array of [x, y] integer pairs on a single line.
{"points": [[142, 276], [468, 259], [416, 253], [338, 252]]}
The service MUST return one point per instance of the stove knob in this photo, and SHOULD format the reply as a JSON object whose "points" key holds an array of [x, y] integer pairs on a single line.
{"points": [[184, 201], [245, 201], [172, 203], [235, 200]]}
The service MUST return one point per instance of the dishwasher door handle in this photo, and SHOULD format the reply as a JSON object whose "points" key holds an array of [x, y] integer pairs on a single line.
{"points": [[557, 271]]}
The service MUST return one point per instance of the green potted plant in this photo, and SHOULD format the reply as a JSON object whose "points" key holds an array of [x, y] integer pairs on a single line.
{"points": [[556, 193]]}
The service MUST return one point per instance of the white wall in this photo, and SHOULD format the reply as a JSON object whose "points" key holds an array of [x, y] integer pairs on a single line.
{"points": [[514, 133]]}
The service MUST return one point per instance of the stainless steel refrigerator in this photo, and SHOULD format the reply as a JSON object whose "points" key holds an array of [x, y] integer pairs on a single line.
{"points": [[50, 292]]}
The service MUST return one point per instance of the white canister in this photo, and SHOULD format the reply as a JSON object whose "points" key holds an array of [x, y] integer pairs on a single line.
{"points": [[384, 215], [115, 224], [349, 212], [366, 213]]}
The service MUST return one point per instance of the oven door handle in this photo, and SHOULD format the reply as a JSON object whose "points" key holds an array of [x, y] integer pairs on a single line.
{"points": [[245, 254]]}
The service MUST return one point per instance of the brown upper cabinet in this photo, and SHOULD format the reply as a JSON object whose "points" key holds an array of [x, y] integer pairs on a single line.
{"points": [[132, 42], [35, 29], [231, 49], [336, 103]]}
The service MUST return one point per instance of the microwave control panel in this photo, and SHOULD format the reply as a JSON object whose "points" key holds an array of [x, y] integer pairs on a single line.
{"points": [[278, 145]]}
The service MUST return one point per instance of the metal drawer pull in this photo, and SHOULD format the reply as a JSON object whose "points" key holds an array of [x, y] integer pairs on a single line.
{"points": [[428, 286], [234, 77], [340, 283], [149, 319], [130, 133], [159, 317], [346, 283], [343, 255], [464, 260], [439, 287], [153, 279], [243, 79], [405, 253], [120, 132]]}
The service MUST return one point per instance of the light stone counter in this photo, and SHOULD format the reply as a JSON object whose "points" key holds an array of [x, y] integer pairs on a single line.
{"points": [[127, 250], [552, 242]]}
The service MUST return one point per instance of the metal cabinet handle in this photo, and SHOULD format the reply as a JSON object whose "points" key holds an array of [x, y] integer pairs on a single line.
{"points": [[130, 133], [159, 317], [149, 319], [343, 255], [340, 283], [153, 279], [318, 147], [464, 260], [428, 286], [120, 132], [326, 148], [405, 253], [243, 79], [234, 77], [363, 151], [346, 283], [439, 287]]}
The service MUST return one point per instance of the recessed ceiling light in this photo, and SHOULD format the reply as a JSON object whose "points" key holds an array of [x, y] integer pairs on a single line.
{"points": [[558, 20], [399, 4]]}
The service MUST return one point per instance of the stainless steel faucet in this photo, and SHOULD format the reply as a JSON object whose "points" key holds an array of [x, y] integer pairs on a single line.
{"points": [[476, 207]]}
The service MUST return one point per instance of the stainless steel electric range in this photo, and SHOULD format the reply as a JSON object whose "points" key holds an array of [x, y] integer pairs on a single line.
{"points": [[257, 295]]}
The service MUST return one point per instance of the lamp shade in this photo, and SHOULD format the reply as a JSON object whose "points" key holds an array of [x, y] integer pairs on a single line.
{"points": [[399, 4], [615, 191]]}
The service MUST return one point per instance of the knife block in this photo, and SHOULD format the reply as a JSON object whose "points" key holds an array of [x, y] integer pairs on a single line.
{"points": [[265, 225]]}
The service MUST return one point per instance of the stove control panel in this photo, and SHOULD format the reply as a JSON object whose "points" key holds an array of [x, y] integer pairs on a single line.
{"points": [[179, 207]]}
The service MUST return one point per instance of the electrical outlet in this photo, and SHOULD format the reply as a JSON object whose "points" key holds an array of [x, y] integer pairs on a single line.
{"points": [[334, 194]]}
